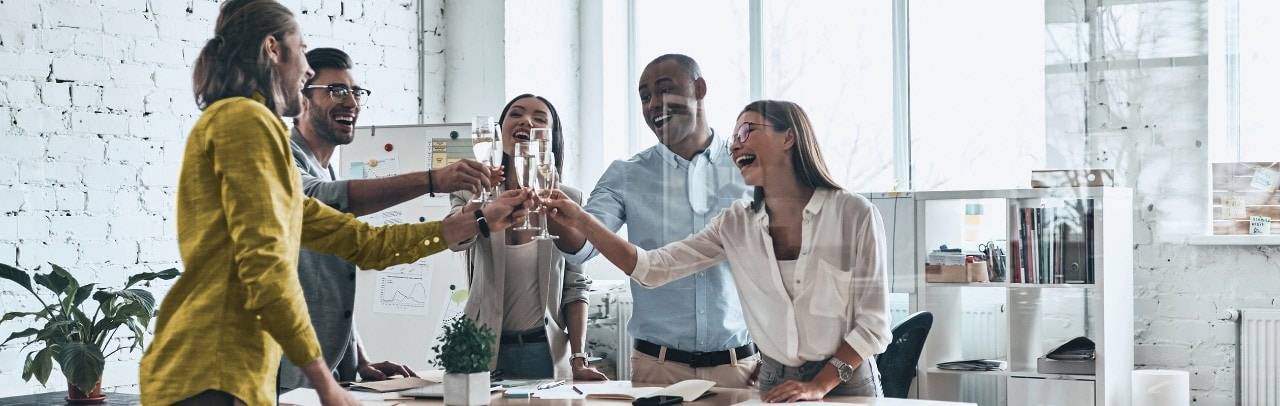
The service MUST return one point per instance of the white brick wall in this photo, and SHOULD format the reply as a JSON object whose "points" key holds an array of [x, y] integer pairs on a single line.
{"points": [[95, 105]]}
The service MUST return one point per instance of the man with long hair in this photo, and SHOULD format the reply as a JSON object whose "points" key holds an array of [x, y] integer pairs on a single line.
{"points": [[242, 218]]}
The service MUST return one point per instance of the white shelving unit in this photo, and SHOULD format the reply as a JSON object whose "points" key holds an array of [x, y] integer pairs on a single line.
{"points": [[1034, 318]]}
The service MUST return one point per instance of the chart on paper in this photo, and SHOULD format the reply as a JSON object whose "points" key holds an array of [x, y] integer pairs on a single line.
{"points": [[402, 289]]}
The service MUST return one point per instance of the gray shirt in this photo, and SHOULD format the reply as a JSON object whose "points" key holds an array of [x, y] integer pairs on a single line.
{"points": [[328, 282]]}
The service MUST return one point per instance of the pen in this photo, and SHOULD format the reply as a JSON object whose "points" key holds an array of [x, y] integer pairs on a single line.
{"points": [[550, 385], [575, 389]]}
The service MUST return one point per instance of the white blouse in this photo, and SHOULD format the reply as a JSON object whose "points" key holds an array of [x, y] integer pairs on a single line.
{"points": [[843, 291]]}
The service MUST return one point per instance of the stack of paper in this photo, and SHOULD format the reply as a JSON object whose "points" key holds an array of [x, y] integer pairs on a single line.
{"points": [[975, 365]]}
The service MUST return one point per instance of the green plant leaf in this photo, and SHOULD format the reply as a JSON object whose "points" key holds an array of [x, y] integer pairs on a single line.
{"points": [[42, 365], [52, 281], [82, 364], [82, 294], [149, 276], [72, 283], [26, 366], [17, 276], [13, 315], [24, 333]]}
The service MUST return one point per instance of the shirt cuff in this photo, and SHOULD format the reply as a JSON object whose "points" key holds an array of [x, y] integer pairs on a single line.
{"points": [[864, 348], [583, 254], [642, 267]]}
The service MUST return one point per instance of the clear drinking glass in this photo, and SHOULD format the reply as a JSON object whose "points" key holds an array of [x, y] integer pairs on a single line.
{"points": [[488, 143], [525, 159], [545, 177]]}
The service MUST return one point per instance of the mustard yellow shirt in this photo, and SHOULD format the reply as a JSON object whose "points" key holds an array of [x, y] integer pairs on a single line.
{"points": [[242, 216]]}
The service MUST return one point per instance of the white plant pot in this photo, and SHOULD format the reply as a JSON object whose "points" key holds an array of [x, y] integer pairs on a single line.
{"points": [[466, 389]]}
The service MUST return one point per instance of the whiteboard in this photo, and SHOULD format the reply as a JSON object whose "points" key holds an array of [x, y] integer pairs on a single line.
{"points": [[398, 310]]}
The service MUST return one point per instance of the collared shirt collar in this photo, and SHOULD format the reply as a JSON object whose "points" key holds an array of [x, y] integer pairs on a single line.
{"points": [[258, 97], [715, 150], [819, 199]]}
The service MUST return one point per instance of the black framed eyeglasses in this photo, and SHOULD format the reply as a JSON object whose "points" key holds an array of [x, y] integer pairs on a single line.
{"points": [[339, 93], [744, 130]]}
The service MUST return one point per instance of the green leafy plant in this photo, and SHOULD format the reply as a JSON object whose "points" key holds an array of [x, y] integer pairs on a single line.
{"points": [[465, 347], [78, 341]]}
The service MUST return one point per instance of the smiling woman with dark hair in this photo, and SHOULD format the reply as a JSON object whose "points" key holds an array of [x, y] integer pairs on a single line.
{"points": [[523, 288], [808, 259]]}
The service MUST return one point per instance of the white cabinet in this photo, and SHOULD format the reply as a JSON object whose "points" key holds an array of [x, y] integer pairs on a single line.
{"points": [[1069, 264]]}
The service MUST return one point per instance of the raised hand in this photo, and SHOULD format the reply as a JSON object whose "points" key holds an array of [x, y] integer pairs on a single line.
{"points": [[562, 209], [466, 175], [509, 208]]}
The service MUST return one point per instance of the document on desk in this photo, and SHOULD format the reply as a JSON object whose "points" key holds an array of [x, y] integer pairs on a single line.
{"points": [[758, 402], [391, 385], [309, 397]]}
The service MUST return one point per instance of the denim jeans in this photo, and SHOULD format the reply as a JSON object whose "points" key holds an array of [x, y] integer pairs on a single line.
{"points": [[865, 381], [530, 360]]}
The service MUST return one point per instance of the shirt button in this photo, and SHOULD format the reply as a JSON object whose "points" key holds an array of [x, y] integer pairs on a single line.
{"points": [[702, 311], [351, 276], [347, 314]]}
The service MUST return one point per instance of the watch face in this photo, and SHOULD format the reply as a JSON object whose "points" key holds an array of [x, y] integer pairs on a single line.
{"points": [[846, 373]]}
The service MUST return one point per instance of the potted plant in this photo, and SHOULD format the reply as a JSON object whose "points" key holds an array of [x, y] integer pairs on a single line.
{"points": [[464, 352], [76, 333]]}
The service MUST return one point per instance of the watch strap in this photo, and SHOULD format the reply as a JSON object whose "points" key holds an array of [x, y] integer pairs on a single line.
{"points": [[482, 224]]}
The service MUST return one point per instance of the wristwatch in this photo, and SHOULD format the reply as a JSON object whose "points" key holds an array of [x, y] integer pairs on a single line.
{"points": [[482, 224], [845, 370], [576, 355]]}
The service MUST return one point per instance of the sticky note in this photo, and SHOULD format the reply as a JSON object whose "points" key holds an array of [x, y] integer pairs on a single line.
{"points": [[1259, 225], [1264, 179], [1233, 208]]}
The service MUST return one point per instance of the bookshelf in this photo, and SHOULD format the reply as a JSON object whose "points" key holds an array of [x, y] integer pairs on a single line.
{"points": [[1072, 249]]}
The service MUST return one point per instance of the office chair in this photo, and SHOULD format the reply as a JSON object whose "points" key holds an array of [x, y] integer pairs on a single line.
{"points": [[897, 364]]}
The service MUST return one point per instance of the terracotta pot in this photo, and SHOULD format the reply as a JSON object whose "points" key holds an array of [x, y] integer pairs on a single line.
{"points": [[78, 397]]}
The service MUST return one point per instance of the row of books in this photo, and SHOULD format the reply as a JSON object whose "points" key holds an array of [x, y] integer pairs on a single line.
{"points": [[1052, 244]]}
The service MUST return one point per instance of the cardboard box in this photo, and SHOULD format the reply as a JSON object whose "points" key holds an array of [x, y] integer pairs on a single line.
{"points": [[1072, 367], [971, 272]]}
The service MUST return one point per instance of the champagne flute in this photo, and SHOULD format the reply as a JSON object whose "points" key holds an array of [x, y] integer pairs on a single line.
{"points": [[525, 159], [486, 142], [546, 178]]}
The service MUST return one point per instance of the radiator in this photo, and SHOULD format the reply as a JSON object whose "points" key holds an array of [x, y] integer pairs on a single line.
{"points": [[983, 335], [1260, 357], [625, 342]]}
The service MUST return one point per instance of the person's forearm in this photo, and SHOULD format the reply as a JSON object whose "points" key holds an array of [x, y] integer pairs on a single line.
{"points": [[317, 371], [571, 240], [459, 227], [829, 377], [366, 196], [620, 252], [576, 317]]}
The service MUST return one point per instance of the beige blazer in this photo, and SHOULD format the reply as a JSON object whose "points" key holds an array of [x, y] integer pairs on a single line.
{"points": [[487, 264]]}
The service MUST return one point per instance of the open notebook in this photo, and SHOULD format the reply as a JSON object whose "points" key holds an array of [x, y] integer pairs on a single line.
{"points": [[689, 390]]}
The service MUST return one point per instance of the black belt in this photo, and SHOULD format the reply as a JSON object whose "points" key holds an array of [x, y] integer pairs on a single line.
{"points": [[697, 359], [530, 337]]}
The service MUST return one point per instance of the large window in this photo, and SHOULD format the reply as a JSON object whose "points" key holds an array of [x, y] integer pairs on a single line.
{"points": [[977, 93], [976, 81], [834, 59], [1245, 62]]}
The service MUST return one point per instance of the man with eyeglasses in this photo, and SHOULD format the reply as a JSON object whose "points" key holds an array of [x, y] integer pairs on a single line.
{"points": [[692, 328], [331, 105]]}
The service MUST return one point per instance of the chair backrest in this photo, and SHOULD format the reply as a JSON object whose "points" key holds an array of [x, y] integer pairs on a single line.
{"points": [[897, 364]]}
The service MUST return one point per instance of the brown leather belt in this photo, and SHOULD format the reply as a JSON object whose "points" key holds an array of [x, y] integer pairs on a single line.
{"points": [[697, 359]]}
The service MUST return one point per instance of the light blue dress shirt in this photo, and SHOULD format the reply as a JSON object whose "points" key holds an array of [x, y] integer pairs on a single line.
{"points": [[651, 193]]}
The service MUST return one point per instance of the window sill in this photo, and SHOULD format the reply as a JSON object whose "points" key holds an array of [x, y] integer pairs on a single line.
{"points": [[1233, 239]]}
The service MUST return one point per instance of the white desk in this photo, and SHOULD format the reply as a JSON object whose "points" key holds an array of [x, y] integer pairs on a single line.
{"points": [[722, 397]]}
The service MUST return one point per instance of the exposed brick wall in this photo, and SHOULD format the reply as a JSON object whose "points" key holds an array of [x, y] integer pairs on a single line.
{"points": [[95, 106]]}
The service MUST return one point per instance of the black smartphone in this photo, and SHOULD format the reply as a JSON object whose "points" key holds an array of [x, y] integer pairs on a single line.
{"points": [[660, 400]]}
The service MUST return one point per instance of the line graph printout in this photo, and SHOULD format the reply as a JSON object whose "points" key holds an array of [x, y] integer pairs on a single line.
{"points": [[402, 289]]}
